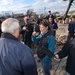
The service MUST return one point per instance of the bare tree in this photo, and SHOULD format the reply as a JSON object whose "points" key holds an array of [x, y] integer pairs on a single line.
{"points": [[70, 3], [29, 12]]}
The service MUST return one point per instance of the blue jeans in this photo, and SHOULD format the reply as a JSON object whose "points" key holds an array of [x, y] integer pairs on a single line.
{"points": [[67, 73], [46, 67]]}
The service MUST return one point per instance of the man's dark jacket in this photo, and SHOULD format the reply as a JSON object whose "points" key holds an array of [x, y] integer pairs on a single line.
{"points": [[26, 35], [15, 57], [69, 50], [71, 27]]}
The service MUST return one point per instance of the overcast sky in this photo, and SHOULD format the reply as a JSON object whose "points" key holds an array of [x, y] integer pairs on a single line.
{"points": [[37, 5]]}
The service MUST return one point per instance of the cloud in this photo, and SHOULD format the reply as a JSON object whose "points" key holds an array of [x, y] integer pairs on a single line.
{"points": [[38, 6], [37, 3], [6, 2], [42, 2], [47, 1], [53, 6], [11, 2]]}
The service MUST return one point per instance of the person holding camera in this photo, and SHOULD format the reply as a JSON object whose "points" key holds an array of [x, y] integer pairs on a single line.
{"points": [[26, 31]]}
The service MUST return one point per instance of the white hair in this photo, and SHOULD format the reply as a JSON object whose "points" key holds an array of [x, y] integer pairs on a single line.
{"points": [[9, 25]]}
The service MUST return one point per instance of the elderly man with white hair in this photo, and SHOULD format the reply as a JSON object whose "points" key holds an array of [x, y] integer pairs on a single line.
{"points": [[15, 57]]}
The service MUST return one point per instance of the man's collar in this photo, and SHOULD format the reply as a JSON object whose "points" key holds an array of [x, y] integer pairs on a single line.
{"points": [[9, 36]]}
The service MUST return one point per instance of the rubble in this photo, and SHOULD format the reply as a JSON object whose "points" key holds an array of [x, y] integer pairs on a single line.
{"points": [[62, 39], [62, 33]]}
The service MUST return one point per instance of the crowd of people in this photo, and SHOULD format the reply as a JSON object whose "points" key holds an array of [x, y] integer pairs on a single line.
{"points": [[16, 57]]}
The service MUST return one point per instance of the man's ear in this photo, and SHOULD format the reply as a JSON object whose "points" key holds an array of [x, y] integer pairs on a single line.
{"points": [[14, 32]]}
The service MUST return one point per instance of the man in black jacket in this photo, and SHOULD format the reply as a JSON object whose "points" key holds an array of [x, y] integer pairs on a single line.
{"points": [[15, 57], [50, 15], [69, 51], [26, 31]]}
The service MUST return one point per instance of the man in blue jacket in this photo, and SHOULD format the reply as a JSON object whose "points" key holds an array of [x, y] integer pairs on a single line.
{"points": [[15, 57], [71, 29]]}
